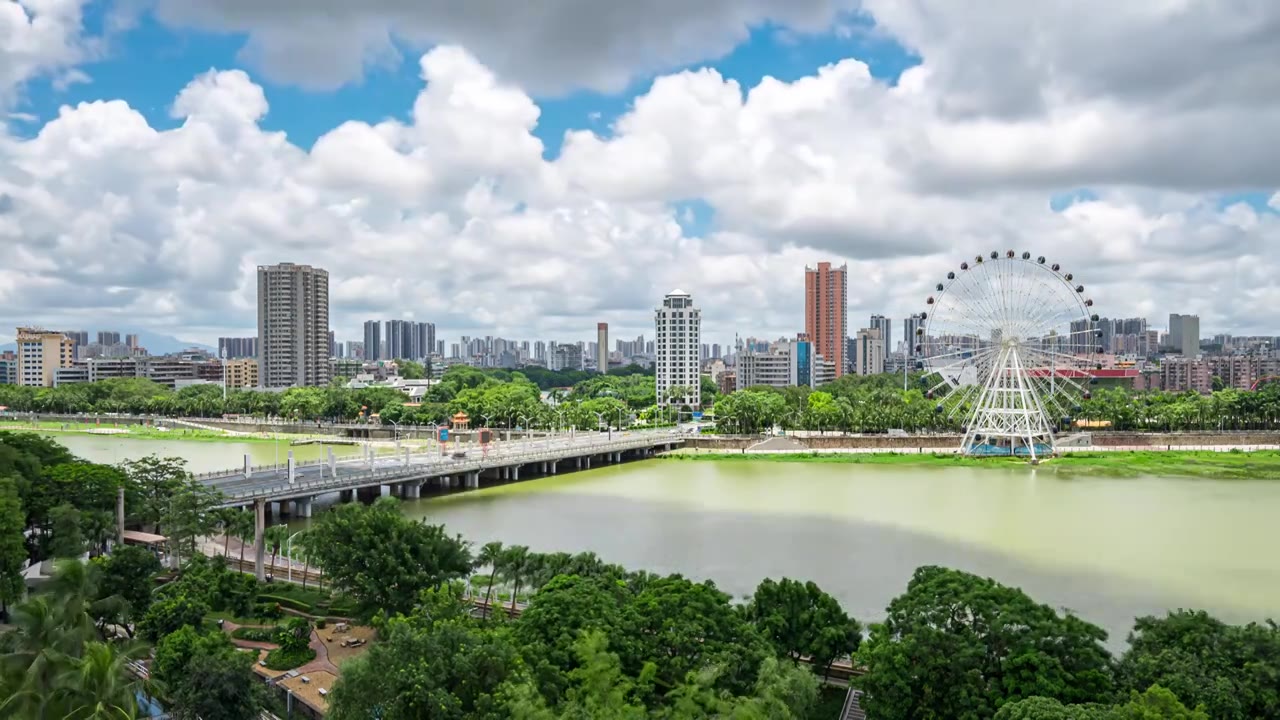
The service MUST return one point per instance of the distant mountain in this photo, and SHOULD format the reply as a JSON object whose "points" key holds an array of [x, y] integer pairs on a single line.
{"points": [[155, 343]]}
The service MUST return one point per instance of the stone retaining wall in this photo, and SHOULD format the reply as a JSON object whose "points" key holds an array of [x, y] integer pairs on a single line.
{"points": [[1105, 439]]}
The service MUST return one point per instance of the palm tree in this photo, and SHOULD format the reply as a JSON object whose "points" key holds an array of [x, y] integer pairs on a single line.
{"points": [[276, 536], [243, 526], [491, 557], [56, 669], [100, 686], [515, 561]]}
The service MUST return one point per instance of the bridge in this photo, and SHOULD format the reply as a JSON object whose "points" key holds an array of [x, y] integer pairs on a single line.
{"points": [[293, 487]]}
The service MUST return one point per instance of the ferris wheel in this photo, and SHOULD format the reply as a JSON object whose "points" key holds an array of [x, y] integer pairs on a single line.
{"points": [[1006, 344]]}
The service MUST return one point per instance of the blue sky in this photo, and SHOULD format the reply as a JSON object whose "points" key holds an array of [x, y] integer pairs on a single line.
{"points": [[150, 63]]}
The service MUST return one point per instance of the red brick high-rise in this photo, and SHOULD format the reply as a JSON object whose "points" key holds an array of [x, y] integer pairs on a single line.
{"points": [[826, 298]]}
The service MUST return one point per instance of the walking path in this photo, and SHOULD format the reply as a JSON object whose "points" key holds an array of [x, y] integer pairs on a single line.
{"points": [[321, 661]]}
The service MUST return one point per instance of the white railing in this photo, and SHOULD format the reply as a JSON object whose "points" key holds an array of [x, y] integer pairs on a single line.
{"points": [[401, 473]]}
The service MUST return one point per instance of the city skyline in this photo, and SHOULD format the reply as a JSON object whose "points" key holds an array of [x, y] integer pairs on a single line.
{"points": [[508, 182]]}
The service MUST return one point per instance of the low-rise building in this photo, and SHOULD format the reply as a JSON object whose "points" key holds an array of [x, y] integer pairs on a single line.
{"points": [[785, 363], [727, 382], [242, 373], [40, 354]]}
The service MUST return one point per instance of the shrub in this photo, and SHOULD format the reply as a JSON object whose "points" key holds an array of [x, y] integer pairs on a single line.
{"points": [[268, 610], [281, 659], [288, 602], [255, 634], [320, 624]]}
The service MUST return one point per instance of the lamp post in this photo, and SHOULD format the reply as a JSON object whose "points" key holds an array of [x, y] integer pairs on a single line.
{"points": [[396, 429], [288, 551]]}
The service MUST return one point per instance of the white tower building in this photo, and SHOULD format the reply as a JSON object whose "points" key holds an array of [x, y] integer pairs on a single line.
{"points": [[677, 348]]}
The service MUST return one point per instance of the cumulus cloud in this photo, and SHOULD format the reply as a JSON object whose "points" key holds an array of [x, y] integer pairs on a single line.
{"points": [[456, 215], [40, 37], [549, 46]]}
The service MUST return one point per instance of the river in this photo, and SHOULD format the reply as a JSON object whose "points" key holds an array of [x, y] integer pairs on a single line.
{"points": [[1109, 549], [201, 455]]}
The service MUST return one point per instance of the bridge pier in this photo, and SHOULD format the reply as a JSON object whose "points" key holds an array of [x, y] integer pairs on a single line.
{"points": [[514, 472], [473, 480], [553, 467], [346, 496], [411, 490], [259, 545], [369, 494], [302, 507]]}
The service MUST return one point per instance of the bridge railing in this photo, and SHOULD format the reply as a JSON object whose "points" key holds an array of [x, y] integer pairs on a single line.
{"points": [[500, 451], [400, 473]]}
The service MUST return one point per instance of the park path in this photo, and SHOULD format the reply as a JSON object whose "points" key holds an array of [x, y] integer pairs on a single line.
{"points": [[229, 627]]}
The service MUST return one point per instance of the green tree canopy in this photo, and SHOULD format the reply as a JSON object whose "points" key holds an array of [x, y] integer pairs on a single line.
{"points": [[959, 646], [383, 559]]}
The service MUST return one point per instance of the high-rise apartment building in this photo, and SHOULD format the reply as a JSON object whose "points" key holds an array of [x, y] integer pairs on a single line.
{"points": [[40, 354], [108, 337], [79, 338], [373, 340], [1184, 334], [679, 340], [882, 323], [293, 325], [131, 341], [909, 340], [235, 348], [826, 298], [602, 347], [868, 352], [355, 349]]}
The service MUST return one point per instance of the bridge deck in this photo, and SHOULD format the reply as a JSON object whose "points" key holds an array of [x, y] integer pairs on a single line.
{"points": [[272, 484]]}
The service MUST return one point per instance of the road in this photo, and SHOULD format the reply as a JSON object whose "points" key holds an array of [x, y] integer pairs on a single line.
{"points": [[348, 473]]}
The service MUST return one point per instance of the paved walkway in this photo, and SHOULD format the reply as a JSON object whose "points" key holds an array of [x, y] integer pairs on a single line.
{"points": [[321, 661]]}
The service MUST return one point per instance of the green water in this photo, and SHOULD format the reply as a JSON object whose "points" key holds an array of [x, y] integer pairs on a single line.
{"points": [[201, 456], [1107, 548]]}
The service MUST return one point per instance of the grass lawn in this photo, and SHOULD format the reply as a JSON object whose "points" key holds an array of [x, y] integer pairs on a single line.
{"points": [[148, 432], [1257, 465]]}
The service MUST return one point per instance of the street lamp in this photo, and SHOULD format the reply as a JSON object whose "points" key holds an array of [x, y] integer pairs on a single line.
{"points": [[396, 429], [288, 551]]}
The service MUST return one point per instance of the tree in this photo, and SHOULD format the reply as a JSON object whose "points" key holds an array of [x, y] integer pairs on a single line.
{"points": [[959, 646], [206, 677], [191, 514], [410, 370], [448, 669], [170, 614], [13, 547], [383, 559], [154, 480], [129, 573], [99, 528], [1232, 671], [802, 621], [67, 540], [55, 668], [1156, 703], [275, 537], [682, 626], [515, 567], [490, 556]]}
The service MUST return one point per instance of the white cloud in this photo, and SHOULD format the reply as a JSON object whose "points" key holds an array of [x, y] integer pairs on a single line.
{"points": [[40, 37], [548, 46], [455, 216]]}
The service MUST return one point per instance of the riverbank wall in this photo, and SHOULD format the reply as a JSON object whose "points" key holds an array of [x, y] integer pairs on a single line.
{"points": [[1152, 441]]}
